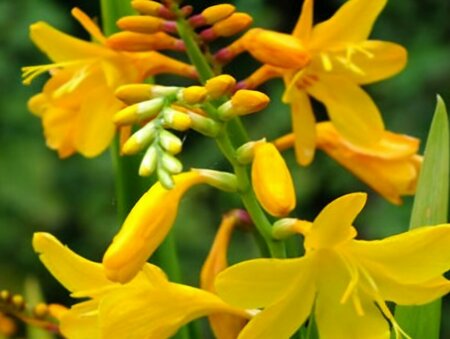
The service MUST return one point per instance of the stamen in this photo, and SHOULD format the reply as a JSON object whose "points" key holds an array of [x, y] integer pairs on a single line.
{"points": [[286, 98], [326, 62], [357, 304], [29, 73], [73, 83], [354, 279]]}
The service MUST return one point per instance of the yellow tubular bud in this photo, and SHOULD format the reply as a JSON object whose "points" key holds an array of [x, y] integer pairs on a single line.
{"points": [[232, 25], [176, 120], [145, 228], [243, 102], [134, 93], [140, 139], [139, 112], [149, 162], [192, 95], [272, 181], [146, 7], [140, 42], [218, 12], [170, 142], [57, 311], [276, 49], [220, 85], [141, 24]]}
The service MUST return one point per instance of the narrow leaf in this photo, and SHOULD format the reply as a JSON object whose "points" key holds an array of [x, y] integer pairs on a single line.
{"points": [[430, 208]]}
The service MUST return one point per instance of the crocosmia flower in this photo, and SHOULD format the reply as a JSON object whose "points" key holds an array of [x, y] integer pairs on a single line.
{"points": [[77, 103], [344, 281]]}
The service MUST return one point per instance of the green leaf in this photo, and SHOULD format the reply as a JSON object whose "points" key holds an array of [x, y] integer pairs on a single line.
{"points": [[430, 208]]}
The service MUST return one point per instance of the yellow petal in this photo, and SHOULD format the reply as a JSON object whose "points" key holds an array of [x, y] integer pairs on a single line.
{"points": [[73, 271], [412, 257], [146, 227], [81, 321], [357, 318], [151, 311], [61, 47], [351, 110], [304, 24], [257, 283], [282, 319], [95, 127], [303, 126], [88, 25], [334, 223], [272, 181], [375, 60], [351, 23]]}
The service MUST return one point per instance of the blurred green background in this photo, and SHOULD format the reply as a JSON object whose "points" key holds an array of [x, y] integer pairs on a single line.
{"points": [[74, 198]]}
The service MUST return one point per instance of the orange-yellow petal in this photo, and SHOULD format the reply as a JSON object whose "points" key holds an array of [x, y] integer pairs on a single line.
{"points": [[304, 25]]}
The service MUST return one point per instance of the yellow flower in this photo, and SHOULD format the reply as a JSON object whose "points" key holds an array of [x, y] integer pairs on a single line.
{"points": [[345, 281], [391, 166], [148, 307], [328, 62], [272, 180], [224, 326], [73, 117]]}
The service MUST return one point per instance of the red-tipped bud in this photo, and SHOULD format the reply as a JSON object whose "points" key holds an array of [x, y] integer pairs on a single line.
{"points": [[212, 15], [152, 8], [139, 42], [228, 27], [145, 24]]}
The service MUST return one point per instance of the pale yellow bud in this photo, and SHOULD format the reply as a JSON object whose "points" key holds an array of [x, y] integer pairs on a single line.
{"points": [[139, 112], [171, 164], [134, 93], [220, 85], [140, 139], [272, 181], [170, 142], [192, 95], [149, 162], [175, 119]]}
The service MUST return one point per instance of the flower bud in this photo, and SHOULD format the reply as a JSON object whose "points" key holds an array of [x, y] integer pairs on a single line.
{"points": [[243, 102], [149, 162], [211, 15], [40, 310], [284, 228], [203, 125], [171, 164], [170, 142], [165, 178], [276, 49], [134, 93], [145, 24], [139, 112], [235, 23], [192, 95], [246, 152], [272, 181], [221, 180], [220, 85], [151, 8], [140, 139], [145, 228], [176, 120], [140, 42]]}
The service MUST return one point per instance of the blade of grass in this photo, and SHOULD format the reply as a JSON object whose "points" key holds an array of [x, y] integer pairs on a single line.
{"points": [[430, 208]]}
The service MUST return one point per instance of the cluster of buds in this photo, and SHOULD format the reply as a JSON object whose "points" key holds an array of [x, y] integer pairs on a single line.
{"points": [[156, 109], [41, 315], [157, 23]]}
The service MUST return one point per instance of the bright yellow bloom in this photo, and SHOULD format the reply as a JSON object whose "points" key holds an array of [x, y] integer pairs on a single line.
{"points": [[73, 117], [225, 326], [148, 307], [345, 281], [328, 62], [145, 227], [272, 180], [391, 166]]}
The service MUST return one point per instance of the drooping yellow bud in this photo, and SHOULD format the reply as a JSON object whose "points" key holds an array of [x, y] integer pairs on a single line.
{"points": [[276, 49], [272, 181], [192, 95], [140, 139], [211, 15], [140, 42], [143, 24], [243, 102], [146, 227], [220, 85]]}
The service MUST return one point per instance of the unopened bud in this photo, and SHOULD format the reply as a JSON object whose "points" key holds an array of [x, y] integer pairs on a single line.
{"points": [[134, 93], [149, 162], [140, 139], [145, 24], [192, 95], [5, 295], [228, 27], [222, 180], [171, 164], [176, 120], [203, 125], [139, 112], [170, 142], [151, 8], [283, 228], [18, 301], [211, 15], [220, 85], [40, 310], [165, 178], [272, 181], [57, 310], [243, 102], [140, 42]]}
